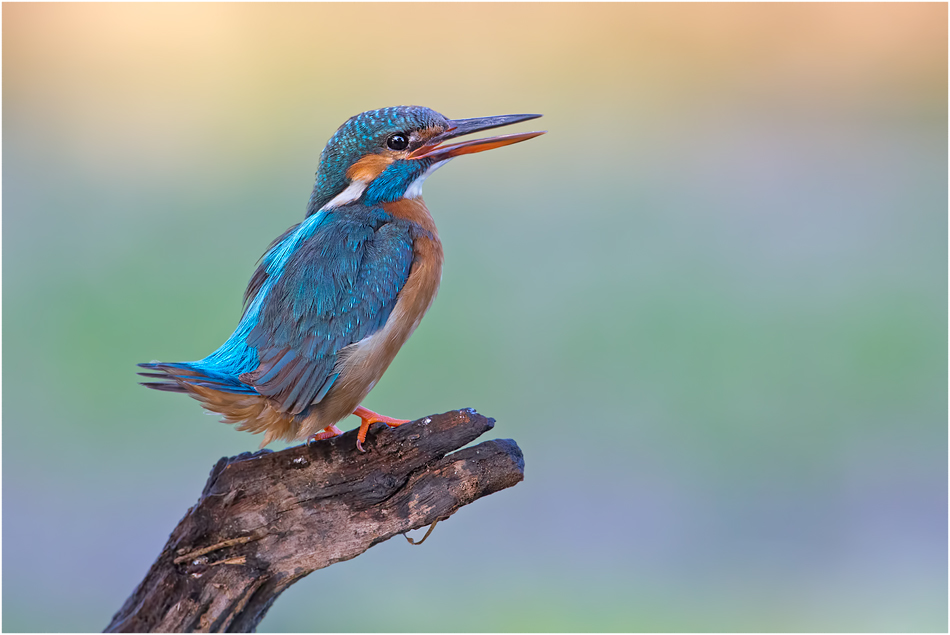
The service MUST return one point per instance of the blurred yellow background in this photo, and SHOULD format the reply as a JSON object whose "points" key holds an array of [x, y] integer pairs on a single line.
{"points": [[710, 304]]}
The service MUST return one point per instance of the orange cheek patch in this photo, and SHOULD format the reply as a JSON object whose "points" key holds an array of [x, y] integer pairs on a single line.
{"points": [[368, 168]]}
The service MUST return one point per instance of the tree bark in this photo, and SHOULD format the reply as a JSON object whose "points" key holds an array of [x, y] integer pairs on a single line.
{"points": [[265, 520]]}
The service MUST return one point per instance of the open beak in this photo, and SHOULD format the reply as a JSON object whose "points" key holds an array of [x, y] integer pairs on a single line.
{"points": [[458, 127]]}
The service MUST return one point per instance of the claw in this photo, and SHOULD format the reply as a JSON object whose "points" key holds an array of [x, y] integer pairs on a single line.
{"points": [[368, 418], [328, 433]]}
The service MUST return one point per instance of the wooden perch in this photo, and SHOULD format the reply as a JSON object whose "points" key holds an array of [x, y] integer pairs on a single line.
{"points": [[265, 520]]}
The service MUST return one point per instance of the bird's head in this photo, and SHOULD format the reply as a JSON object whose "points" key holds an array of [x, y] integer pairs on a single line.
{"points": [[384, 155]]}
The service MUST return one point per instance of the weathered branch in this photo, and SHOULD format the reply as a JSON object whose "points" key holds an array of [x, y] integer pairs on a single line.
{"points": [[266, 520]]}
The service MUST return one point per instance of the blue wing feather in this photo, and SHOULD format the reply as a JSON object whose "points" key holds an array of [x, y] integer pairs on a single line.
{"points": [[338, 287], [328, 282]]}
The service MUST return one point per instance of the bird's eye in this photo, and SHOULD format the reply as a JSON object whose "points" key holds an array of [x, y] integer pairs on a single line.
{"points": [[397, 142]]}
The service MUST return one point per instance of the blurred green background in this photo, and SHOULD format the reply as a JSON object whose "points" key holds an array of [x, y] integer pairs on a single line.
{"points": [[710, 304]]}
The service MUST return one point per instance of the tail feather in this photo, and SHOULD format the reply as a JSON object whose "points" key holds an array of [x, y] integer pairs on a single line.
{"points": [[154, 385], [228, 396], [177, 376]]}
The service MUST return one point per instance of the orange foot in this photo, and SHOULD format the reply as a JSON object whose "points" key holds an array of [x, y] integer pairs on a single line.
{"points": [[328, 433], [369, 417]]}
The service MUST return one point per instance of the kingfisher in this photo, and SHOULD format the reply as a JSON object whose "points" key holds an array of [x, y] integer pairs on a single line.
{"points": [[334, 297]]}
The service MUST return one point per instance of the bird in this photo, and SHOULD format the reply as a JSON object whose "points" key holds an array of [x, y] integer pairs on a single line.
{"points": [[335, 297]]}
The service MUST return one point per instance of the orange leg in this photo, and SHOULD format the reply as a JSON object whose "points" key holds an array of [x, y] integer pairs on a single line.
{"points": [[328, 433], [368, 418]]}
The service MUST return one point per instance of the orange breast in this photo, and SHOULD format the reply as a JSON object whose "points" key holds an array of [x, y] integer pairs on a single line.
{"points": [[426, 273]]}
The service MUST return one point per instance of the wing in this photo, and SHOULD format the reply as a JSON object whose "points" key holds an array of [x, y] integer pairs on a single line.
{"points": [[338, 287], [262, 273]]}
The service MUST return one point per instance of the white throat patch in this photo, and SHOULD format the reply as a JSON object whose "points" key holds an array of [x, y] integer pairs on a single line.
{"points": [[415, 188]]}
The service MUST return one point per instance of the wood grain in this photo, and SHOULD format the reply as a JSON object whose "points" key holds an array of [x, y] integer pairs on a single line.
{"points": [[266, 520]]}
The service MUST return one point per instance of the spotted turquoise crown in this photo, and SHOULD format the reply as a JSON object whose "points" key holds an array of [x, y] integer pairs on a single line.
{"points": [[364, 134]]}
